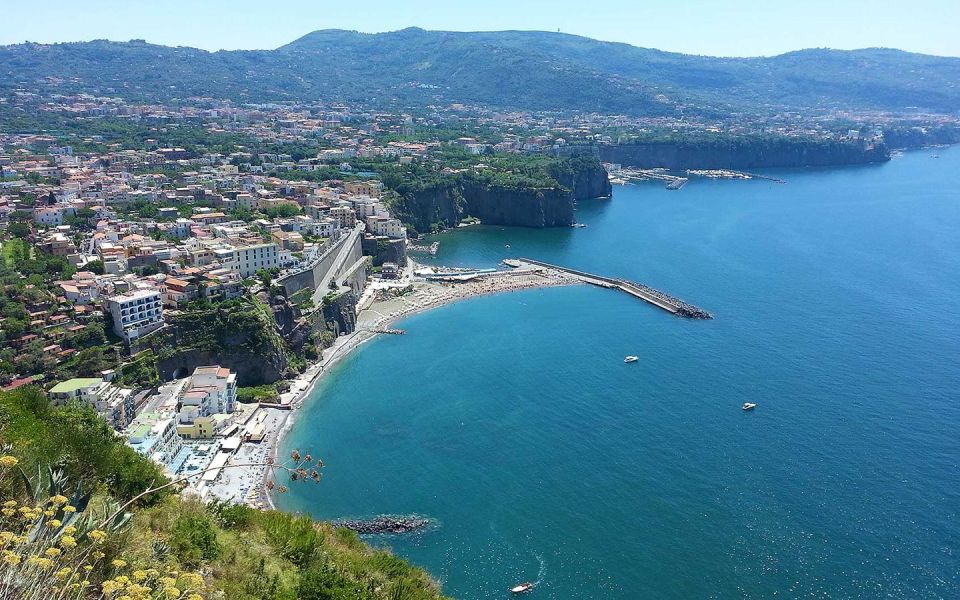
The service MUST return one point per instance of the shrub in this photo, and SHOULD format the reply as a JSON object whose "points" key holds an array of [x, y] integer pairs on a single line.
{"points": [[194, 539]]}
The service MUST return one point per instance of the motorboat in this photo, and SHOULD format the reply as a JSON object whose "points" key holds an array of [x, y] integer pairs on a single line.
{"points": [[522, 588], [749, 406], [631, 359]]}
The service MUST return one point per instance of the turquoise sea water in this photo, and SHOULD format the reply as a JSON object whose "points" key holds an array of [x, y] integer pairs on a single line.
{"points": [[513, 421]]}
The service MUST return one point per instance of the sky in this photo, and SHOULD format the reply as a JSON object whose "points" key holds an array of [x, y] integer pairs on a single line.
{"points": [[712, 27]]}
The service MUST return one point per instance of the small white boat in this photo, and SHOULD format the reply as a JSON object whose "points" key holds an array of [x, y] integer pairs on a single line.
{"points": [[631, 359], [749, 406], [522, 588]]}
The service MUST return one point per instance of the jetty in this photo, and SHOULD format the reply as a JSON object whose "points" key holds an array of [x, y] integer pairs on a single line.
{"points": [[646, 293]]}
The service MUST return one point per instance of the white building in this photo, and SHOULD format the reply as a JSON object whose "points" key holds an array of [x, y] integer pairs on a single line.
{"points": [[155, 437], [379, 225], [114, 404], [207, 402], [247, 260], [136, 313]]}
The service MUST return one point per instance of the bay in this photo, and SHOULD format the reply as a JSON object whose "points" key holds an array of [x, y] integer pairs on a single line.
{"points": [[513, 422]]}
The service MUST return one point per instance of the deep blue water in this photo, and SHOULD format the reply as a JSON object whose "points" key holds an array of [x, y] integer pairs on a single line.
{"points": [[513, 421]]}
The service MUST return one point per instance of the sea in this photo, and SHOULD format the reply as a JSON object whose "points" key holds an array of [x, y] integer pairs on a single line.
{"points": [[513, 423]]}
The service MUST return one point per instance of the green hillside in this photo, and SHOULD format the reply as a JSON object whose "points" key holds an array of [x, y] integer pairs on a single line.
{"points": [[532, 70]]}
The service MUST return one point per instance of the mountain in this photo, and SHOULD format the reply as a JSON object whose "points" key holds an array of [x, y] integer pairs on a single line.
{"points": [[509, 69]]}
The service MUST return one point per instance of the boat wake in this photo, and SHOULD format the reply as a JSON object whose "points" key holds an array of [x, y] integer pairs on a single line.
{"points": [[541, 571]]}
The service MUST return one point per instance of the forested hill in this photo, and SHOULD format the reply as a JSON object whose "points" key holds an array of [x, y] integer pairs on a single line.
{"points": [[534, 70]]}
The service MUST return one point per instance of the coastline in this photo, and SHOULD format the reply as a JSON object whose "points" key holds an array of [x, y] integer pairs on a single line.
{"points": [[379, 315]]}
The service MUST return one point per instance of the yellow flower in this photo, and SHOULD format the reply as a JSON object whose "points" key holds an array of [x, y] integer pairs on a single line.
{"points": [[6, 537], [68, 541], [11, 558], [7, 461], [119, 564], [97, 555], [52, 552], [54, 523], [193, 580], [171, 592], [168, 581], [40, 562], [194, 597], [69, 530], [8, 512], [138, 591], [10, 504], [110, 587], [87, 568], [69, 509], [64, 572], [139, 575], [58, 500], [97, 536]]}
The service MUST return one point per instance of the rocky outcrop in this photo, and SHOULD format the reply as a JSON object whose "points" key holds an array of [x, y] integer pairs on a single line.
{"points": [[444, 203], [384, 249], [584, 176], [251, 369], [384, 524], [340, 313], [918, 137], [745, 154], [528, 207], [239, 337]]}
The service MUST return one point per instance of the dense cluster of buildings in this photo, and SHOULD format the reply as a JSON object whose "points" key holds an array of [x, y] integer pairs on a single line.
{"points": [[145, 243], [184, 432]]}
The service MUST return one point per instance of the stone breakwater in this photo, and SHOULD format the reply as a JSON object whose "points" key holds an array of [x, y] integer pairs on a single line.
{"points": [[384, 524], [684, 309]]}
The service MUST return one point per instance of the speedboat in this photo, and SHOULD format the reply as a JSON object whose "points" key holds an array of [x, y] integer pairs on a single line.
{"points": [[749, 406], [522, 588], [631, 359]]}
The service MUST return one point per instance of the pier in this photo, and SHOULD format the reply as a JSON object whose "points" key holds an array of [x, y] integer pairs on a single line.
{"points": [[646, 293]]}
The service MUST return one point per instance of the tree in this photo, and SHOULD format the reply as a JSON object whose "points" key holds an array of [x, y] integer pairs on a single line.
{"points": [[95, 266], [19, 230]]}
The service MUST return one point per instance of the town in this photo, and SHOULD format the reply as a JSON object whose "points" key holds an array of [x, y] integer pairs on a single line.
{"points": [[132, 230]]}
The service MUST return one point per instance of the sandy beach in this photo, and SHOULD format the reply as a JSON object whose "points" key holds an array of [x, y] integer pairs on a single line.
{"points": [[384, 306]]}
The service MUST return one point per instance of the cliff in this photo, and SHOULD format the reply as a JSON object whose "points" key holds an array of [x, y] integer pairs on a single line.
{"points": [[444, 202], [918, 137], [735, 153], [584, 176], [237, 336]]}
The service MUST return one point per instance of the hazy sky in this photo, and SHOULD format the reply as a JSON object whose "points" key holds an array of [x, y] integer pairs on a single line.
{"points": [[715, 27]]}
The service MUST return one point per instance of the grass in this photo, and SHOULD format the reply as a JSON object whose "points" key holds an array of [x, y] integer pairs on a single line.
{"points": [[268, 554]]}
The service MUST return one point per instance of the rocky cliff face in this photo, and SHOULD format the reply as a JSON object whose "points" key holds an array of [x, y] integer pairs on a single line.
{"points": [[240, 338], [544, 207], [744, 154], [584, 177], [444, 204]]}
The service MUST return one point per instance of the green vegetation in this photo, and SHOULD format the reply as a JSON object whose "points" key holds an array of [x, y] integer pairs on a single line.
{"points": [[258, 393], [529, 70], [75, 439], [163, 543]]}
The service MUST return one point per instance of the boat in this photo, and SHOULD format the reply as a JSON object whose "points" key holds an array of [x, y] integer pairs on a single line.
{"points": [[749, 406], [631, 359], [522, 588]]}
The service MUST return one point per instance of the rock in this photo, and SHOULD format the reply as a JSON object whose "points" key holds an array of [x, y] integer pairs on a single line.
{"points": [[384, 524]]}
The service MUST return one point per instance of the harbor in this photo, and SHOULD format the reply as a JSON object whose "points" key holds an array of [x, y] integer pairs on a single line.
{"points": [[622, 175]]}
